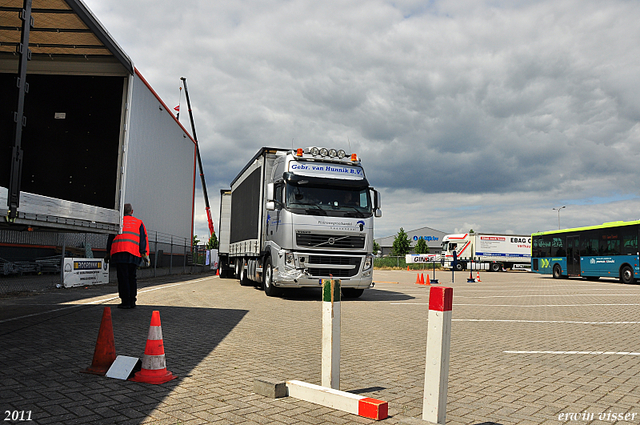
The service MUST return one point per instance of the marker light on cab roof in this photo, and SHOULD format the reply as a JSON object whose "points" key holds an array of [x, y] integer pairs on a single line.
{"points": [[299, 152], [354, 157]]}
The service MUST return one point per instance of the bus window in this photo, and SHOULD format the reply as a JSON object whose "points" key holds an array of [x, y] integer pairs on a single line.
{"points": [[557, 247], [542, 246], [629, 241], [589, 244], [609, 243]]}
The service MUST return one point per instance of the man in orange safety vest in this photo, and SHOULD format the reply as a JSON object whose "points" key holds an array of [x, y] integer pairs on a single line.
{"points": [[127, 251]]}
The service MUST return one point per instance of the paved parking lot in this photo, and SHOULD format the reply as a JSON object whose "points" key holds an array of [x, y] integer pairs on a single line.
{"points": [[524, 349]]}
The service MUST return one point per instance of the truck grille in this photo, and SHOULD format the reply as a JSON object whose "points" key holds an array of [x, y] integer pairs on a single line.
{"points": [[323, 266], [330, 241]]}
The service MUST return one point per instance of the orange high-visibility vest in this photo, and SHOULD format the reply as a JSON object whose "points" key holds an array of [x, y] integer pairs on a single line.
{"points": [[129, 239]]}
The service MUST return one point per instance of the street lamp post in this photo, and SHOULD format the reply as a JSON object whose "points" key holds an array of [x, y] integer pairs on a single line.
{"points": [[558, 209]]}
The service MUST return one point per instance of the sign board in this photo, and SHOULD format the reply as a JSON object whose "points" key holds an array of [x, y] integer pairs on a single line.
{"points": [[85, 271], [212, 259], [335, 171], [421, 258], [122, 367]]}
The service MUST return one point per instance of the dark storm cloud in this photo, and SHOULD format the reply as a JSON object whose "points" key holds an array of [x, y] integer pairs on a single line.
{"points": [[512, 106]]}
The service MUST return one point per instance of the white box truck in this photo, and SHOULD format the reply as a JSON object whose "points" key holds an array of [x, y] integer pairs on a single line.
{"points": [[295, 217], [494, 252]]}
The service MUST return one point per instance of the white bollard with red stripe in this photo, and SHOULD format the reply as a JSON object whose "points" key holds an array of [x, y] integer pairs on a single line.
{"points": [[436, 378]]}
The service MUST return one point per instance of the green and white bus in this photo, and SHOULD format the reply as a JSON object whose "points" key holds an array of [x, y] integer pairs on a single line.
{"points": [[607, 250]]}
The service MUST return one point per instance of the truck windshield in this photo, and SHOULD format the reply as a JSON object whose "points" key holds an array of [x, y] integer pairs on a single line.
{"points": [[330, 201]]}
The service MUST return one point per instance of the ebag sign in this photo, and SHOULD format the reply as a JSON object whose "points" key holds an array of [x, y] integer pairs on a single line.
{"points": [[85, 271]]}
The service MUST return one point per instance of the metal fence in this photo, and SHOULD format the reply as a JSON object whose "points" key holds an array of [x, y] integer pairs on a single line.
{"points": [[34, 259]]}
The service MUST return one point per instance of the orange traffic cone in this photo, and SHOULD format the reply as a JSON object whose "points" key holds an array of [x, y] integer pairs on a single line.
{"points": [[105, 352], [407, 268], [418, 279], [428, 282], [422, 279], [478, 278], [154, 365]]}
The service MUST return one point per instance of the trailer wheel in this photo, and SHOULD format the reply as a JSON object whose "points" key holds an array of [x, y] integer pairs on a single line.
{"points": [[495, 267], [626, 275], [459, 266], [267, 280], [244, 280], [236, 268]]}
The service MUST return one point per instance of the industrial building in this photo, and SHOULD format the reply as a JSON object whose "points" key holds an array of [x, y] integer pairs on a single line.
{"points": [[433, 238]]}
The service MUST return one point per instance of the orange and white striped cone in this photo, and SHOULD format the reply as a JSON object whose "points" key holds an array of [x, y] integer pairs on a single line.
{"points": [[478, 278], [154, 366]]}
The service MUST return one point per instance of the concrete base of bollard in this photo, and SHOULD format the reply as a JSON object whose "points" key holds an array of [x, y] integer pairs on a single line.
{"points": [[270, 388]]}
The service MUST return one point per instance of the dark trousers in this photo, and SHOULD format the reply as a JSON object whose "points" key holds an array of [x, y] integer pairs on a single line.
{"points": [[127, 284]]}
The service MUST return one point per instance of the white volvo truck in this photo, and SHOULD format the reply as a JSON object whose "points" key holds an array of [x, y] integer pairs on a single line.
{"points": [[295, 217]]}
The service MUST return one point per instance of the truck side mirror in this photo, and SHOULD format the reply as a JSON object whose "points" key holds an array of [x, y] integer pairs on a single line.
{"points": [[270, 189], [377, 203], [271, 205]]}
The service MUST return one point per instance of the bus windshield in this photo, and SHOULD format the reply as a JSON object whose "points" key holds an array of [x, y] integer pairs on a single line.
{"points": [[329, 201]]}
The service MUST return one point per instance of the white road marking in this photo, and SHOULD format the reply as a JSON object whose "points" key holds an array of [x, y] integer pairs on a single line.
{"points": [[599, 353], [574, 322]]}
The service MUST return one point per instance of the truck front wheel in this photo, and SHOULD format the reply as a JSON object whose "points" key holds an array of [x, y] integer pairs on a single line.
{"points": [[267, 280]]}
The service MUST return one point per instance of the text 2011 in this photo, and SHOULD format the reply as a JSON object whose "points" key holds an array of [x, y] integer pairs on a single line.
{"points": [[17, 415]]}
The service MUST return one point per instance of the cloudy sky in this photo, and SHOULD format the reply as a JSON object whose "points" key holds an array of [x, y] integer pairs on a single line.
{"points": [[466, 114]]}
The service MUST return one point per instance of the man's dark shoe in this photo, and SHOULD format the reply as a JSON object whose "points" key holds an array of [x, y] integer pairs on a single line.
{"points": [[125, 306]]}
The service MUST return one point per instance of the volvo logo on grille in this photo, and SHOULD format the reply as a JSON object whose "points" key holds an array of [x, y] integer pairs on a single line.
{"points": [[331, 241]]}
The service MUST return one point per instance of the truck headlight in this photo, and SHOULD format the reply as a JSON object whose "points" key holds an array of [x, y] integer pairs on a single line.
{"points": [[288, 259], [368, 262]]}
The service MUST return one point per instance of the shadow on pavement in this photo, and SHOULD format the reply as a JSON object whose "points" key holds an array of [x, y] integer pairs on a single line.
{"points": [[42, 356], [315, 294]]}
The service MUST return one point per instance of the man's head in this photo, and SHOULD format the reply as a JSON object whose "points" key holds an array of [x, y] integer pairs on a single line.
{"points": [[128, 209]]}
